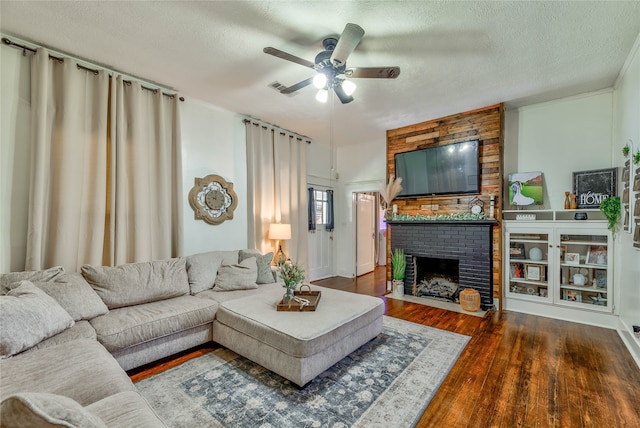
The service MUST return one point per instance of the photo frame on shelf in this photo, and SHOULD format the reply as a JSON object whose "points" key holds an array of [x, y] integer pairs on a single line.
{"points": [[591, 187], [517, 250], [526, 188], [572, 258], [517, 270], [601, 278], [597, 255], [534, 272]]}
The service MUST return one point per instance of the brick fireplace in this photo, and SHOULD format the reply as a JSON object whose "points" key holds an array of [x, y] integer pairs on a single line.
{"points": [[446, 245]]}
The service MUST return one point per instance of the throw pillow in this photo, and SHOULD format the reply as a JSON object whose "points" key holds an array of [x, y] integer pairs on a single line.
{"points": [[75, 295], [6, 279], [265, 275], [137, 283], [241, 276], [202, 268], [28, 316], [43, 410]]}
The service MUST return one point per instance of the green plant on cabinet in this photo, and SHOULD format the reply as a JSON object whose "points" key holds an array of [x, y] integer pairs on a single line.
{"points": [[399, 263]]}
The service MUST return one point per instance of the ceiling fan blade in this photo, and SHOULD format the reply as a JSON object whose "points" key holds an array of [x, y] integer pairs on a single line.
{"points": [[373, 72], [281, 54], [342, 96], [351, 36], [297, 86]]}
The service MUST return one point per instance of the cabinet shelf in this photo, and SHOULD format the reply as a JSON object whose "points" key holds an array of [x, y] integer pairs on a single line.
{"points": [[529, 261], [584, 265], [524, 281], [584, 288]]}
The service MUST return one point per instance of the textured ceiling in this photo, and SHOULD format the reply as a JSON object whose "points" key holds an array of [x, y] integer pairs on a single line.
{"points": [[453, 56]]}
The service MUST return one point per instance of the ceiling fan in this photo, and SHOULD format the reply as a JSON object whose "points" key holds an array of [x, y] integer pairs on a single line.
{"points": [[331, 66]]}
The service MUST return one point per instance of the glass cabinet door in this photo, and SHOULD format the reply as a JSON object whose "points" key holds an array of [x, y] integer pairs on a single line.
{"points": [[528, 264], [585, 274]]}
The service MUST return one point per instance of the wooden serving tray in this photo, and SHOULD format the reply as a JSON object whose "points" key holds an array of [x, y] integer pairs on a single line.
{"points": [[295, 306]]}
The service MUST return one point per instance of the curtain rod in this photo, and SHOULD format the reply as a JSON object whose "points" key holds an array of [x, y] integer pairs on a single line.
{"points": [[25, 48], [282, 132]]}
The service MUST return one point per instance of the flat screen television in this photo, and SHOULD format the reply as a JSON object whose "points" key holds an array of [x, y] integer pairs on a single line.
{"points": [[444, 170]]}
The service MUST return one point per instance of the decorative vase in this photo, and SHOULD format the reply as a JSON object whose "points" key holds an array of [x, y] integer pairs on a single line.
{"points": [[567, 200], [288, 296], [574, 205], [398, 288]]}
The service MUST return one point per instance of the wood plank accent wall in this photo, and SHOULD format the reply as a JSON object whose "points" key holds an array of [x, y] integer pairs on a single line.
{"points": [[486, 125]]}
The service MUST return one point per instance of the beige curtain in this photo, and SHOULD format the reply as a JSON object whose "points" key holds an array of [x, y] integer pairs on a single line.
{"points": [[67, 198], [146, 219], [277, 188], [105, 173]]}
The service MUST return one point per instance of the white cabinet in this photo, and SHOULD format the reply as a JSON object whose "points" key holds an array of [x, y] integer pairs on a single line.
{"points": [[564, 263]]}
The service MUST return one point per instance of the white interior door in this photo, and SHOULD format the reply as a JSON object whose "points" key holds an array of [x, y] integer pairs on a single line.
{"points": [[365, 233]]}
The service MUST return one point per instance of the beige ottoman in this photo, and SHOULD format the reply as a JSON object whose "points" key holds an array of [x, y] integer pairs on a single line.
{"points": [[298, 345]]}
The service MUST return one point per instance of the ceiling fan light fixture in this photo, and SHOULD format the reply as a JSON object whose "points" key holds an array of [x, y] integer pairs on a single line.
{"points": [[349, 87], [322, 95], [320, 80]]}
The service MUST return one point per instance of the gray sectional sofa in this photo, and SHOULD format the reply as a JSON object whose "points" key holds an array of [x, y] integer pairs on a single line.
{"points": [[67, 339]]}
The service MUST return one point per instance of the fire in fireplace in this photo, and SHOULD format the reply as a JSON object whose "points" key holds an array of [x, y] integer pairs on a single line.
{"points": [[437, 278]]}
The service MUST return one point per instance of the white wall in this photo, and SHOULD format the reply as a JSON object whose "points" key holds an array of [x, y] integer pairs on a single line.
{"points": [[627, 259], [213, 142], [558, 138], [362, 167]]}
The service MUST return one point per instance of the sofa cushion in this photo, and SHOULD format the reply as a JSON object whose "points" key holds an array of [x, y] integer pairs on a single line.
{"points": [[75, 295], [136, 283], [238, 276], [80, 330], [265, 275], [6, 279], [44, 410], [202, 268], [132, 325], [85, 372], [27, 316], [126, 409]]}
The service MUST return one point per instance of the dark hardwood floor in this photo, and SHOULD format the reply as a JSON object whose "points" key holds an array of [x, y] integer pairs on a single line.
{"points": [[517, 370]]}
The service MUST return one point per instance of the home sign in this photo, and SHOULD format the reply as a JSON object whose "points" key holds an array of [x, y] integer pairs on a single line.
{"points": [[592, 187]]}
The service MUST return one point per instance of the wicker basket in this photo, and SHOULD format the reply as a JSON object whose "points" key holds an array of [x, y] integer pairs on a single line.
{"points": [[470, 300]]}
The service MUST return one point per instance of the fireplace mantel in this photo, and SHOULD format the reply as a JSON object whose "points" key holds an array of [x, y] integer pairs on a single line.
{"points": [[437, 222], [468, 241]]}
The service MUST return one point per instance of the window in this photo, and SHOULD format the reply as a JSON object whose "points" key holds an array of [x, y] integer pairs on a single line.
{"points": [[322, 211]]}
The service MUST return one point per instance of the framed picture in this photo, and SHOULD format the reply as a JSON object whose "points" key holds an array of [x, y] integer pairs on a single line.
{"points": [[572, 258], [601, 278], [636, 183], [525, 188], [597, 255], [517, 271], [591, 187], [516, 250], [534, 272], [626, 172]]}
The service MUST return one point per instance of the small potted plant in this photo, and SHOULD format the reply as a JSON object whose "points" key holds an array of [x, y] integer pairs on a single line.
{"points": [[636, 157], [625, 150], [610, 207], [399, 263], [292, 275]]}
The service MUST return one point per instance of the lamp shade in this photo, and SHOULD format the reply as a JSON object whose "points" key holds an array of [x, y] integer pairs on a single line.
{"points": [[280, 231]]}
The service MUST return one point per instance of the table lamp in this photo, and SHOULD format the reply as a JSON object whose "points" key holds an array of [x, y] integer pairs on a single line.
{"points": [[279, 232]]}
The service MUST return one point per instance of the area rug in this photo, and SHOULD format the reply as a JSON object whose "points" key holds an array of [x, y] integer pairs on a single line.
{"points": [[388, 382]]}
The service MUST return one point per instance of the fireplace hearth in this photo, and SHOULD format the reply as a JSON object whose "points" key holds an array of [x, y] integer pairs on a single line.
{"points": [[459, 253]]}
